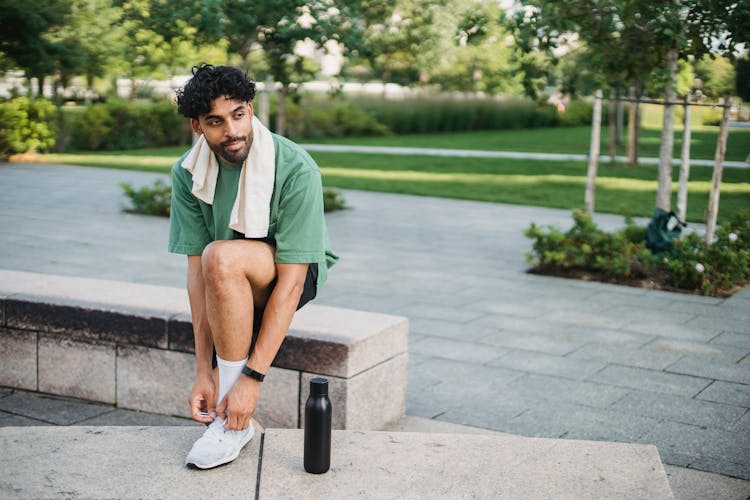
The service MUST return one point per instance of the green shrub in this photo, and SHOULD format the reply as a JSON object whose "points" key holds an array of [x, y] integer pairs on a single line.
{"points": [[26, 125], [694, 266], [584, 247], [340, 119], [577, 113], [709, 269], [122, 125], [712, 117], [156, 200], [93, 128], [333, 199], [428, 115], [318, 118]]}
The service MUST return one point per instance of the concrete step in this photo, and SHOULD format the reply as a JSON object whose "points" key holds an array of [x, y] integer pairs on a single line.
{"points": [[147, 462]]}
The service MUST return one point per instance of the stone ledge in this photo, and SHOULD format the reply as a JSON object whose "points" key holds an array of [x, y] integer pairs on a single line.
{"points": [[121, 462], [142, 337]]}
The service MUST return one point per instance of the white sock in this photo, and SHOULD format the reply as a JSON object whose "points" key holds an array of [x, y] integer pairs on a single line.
{"points": [[229, 372]]}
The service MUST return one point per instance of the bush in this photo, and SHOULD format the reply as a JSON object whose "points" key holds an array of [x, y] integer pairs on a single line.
{"points": [[584, 247], [429, 115], [585, 250], [156, 200], [578, 113], [26, 125], [333, 199], [122, 125], [712, 117]]}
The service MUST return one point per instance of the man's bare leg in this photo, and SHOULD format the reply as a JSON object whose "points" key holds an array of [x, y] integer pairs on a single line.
{"points": [[237, 275]]}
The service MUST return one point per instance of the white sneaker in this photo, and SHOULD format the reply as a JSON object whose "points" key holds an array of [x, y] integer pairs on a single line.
{"points": [[218, 445]]}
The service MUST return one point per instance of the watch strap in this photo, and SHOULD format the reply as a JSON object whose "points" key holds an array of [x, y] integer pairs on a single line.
{"points": [[253, 374]]}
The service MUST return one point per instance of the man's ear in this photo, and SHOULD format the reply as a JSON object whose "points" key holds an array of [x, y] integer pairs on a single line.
{"points": [[195, 124], [250, 107]]}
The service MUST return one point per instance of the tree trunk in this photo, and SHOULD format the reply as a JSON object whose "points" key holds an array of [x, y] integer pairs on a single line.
{"points": [[619, 117], [596, 123], [632, 119], [682, 190], [638, 116], [721, 149], [40, 87], [612, 127], [664, 188], [281, 113], [264, 102]]}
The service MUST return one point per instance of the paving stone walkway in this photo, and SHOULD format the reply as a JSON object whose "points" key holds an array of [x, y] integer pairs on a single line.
{"points": [[490, 345]]}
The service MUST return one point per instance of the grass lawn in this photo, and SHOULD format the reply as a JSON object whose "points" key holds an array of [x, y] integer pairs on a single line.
{"points": [[620, 189], [565, 140]]}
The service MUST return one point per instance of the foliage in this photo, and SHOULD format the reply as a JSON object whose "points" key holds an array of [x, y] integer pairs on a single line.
{"points": [[122, 125], [403, 40], [478, 57], [613, 35], [577, 113], [26, 28], [325, 118], [155, 200], [427, 115], [717, 76], [333, 199], [742, 79], [621, 256], [712, 117], [583, 247], [26, 125]]}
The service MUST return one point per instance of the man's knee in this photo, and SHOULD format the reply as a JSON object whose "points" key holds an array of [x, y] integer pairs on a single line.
{"points": [[217, 261], [230, 258]]}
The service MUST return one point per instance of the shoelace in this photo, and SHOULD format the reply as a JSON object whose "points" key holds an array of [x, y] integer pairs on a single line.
{"points": [[216, 432]]}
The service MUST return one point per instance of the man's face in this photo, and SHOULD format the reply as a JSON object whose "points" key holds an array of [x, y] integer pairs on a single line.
{"points": [[228, 129]]}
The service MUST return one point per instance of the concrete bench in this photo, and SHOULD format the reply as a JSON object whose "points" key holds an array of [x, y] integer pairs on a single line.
{"points": [[131, 345]]}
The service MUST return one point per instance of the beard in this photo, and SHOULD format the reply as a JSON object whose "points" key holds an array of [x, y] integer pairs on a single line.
{"points": [[240, 149]]}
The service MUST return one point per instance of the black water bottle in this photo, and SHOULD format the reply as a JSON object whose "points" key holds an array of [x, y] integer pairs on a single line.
{"points": [[318, 428]]}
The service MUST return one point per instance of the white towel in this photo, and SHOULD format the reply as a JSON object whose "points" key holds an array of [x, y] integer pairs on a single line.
{"points": [[252, 208]]}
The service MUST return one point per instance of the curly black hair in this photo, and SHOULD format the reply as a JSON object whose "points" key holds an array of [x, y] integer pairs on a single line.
{"points": [[210, 82]]}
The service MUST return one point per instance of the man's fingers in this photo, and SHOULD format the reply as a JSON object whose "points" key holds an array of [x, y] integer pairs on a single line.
{"points": [[198, 412], [221, 408]]}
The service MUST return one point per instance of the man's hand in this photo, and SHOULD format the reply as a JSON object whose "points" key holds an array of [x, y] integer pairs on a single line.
{"points": [[202, 399], [238, 406]]}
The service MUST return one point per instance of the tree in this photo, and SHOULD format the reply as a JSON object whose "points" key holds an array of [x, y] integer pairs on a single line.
{"points": [[716, 75], [742, 80], [26, 28], [478, 59], [404, 40], [277, 27], [89, 39], [627, 39]]}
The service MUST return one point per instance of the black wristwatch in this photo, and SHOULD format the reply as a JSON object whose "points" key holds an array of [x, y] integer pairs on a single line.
{"points": [[253, 374]]}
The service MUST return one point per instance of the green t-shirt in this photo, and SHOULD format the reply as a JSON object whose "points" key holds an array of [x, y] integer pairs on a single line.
{"points": [[296, 222]]}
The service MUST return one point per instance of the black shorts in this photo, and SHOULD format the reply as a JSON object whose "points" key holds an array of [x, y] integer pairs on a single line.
{"points": [[308, 293]]}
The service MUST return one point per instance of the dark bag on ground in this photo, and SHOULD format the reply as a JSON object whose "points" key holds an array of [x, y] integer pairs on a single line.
{"points": [[663, 228]]}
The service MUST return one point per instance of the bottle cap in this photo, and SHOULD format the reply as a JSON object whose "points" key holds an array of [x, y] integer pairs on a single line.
{"points": [[318, 387]]}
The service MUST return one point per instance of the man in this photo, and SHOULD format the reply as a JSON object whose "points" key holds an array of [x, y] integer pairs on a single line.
{"points": [[247, 210]]}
